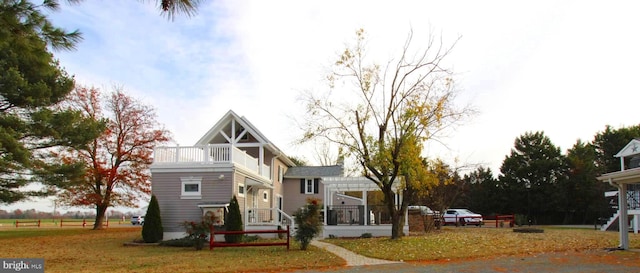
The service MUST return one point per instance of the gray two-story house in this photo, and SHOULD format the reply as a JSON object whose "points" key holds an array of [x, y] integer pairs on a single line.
{"points": [[235, 159]]}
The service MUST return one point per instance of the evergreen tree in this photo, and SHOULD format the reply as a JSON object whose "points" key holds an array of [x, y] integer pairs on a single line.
{"points": [[233, 221], [530, 177], [485, 196], [609, 142], [170, 8], [32, 85], [584, 199], [152, 229]]}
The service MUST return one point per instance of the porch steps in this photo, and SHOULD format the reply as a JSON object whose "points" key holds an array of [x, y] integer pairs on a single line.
{"points": [[612, 222]]}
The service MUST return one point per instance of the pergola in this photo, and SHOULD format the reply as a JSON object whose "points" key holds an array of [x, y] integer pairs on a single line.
{"points": [[335, 185], [621, 180]]}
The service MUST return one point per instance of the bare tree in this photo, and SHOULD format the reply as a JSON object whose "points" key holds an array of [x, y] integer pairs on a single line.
{"points": [[387, 115]]}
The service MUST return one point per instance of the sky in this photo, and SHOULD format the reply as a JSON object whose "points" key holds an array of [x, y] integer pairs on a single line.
{"points": [[568, 68]]}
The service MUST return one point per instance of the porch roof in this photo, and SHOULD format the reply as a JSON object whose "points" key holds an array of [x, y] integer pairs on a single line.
{"points": [[255, 183], [630, 176], [343, 184], [314, 171], [213, 205], [627, 174]]}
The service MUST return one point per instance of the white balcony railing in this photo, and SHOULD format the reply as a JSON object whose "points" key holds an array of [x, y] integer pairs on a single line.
{"points": [[209, 154]]}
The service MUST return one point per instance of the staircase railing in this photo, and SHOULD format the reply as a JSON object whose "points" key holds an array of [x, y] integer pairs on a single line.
{"points": [[269, 216]]}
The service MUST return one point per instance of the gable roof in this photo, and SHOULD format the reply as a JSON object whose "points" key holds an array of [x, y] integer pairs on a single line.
{"points": [[314, 171], [251, 129], [222, 122], [632, 148]]}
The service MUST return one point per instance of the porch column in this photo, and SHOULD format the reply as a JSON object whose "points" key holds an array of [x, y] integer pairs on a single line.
{"points": [[324, 203], [623, 220], [636, 223], [246, 211], [366, 208], [261, 160]]}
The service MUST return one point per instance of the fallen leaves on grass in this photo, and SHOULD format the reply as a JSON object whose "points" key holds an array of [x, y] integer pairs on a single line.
{"points": [[463, 243], [83, 250]]}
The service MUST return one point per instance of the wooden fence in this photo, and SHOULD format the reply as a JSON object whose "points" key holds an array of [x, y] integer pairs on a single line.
{"points": [[28, 223]]}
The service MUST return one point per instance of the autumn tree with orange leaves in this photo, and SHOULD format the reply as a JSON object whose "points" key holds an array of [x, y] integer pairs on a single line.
{"points": [[116, 163]]}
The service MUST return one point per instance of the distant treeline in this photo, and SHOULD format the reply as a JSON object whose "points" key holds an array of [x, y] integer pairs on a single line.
{"points": [[34, 214]]}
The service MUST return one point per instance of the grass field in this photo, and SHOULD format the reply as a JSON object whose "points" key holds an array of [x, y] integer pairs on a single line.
{"points": [[67, 222], [86, 250], [464, 243]]}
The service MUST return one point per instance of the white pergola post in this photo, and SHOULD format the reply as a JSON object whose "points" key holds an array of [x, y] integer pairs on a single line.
{"points": [[366, 208], [325, 202], [624, 217]]}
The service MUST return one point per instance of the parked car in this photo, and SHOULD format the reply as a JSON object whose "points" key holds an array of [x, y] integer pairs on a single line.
{"points": [[462, 217], [424, 210], [137, 220]]}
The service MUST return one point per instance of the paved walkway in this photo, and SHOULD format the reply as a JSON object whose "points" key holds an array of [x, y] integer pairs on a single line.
{"points": [[352, 258]]}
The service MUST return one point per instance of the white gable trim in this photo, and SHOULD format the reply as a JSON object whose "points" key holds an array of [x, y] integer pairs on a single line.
{"points": [[633, 148], [234, 119]]}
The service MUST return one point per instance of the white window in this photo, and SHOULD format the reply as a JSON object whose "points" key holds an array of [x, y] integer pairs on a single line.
{"points": [[191, 188], [308, 189], [240, 189], [265, 196]]}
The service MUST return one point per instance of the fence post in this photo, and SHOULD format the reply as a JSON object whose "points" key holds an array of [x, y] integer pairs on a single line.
{"points": [[288, 234], [38, 222], [17, 222], [84, 222], [211, 237]]}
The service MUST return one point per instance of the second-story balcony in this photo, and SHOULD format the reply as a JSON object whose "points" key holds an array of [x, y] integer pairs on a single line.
{"points": [[212, 154]]}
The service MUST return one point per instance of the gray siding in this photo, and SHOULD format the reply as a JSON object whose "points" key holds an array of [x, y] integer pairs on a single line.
{"points": [[293, 199], [174, 210], [239, 179]]}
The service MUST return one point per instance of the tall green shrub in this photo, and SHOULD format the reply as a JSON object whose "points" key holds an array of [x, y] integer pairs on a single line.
{"points": [[233, 222], [152, 229], [307, 220]]}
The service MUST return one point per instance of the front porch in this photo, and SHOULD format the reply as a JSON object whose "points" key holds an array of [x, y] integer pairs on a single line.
{"points": [[627, 177], [267, 219]]}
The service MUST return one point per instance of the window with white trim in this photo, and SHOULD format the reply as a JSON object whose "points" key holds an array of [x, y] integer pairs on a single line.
{"points": [[265, 196], [241, 189], [308, 189], [191, 188]]}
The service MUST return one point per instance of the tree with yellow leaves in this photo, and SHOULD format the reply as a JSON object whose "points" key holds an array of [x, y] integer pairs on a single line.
{"points": [[382, 116]]}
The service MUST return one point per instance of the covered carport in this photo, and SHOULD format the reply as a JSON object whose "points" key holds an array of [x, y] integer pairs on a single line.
{"points": [[629, 174]]}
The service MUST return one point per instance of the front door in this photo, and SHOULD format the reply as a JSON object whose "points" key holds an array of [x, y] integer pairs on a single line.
{"points": [[279, 204]]}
